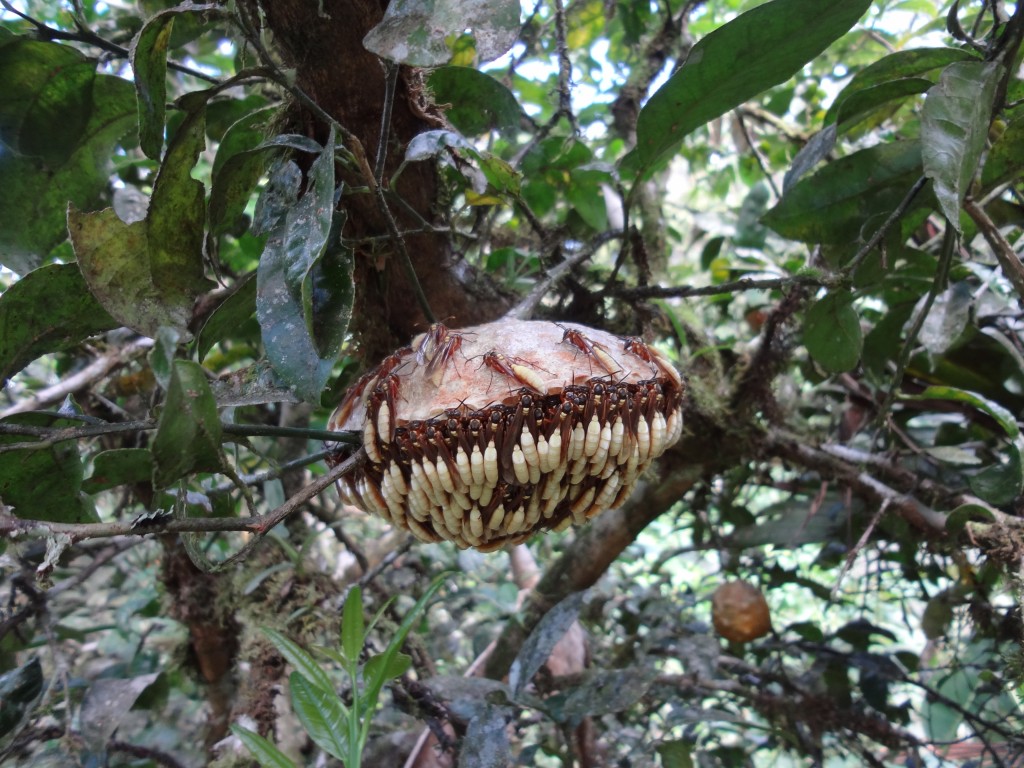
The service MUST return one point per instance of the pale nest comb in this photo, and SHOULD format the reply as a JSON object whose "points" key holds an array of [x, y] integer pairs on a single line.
{"points": [[485, 435]]}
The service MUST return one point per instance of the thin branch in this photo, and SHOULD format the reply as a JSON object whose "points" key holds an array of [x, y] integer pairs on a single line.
{"points": [[96, 370], [390, 83], [50, 436], [564, 67], [259, 525], [525, 308], [49, 34], [757, 153], [941, 276], [1008, 259], [743, 284], [895, 216]]}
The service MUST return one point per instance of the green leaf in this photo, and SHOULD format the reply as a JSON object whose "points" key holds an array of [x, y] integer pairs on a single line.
{"points": [[303, 317], [954, 127], [416, 32], [241, 160], [299, 658], [861, 104], [475, 102], [148, 55], [909, 64], [266, 754], [832, 332], [948, 318], [119, 466], [44, 483], [1000, 483], [34, 195], [676, 754], [177, 217], [832, 205], [107, 703], [1005, 161], [188, 436], [47, 98], [396, 666], [235, 310], [1001, 415], [740, 59], [321, 714], [148, 273], [352, 626], [48, 310], [373, 687]]}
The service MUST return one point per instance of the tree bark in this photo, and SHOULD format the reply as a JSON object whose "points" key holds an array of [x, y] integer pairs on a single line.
{"points": [[324, 45]]}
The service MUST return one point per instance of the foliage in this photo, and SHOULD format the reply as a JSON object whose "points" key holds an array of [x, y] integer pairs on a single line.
{"points": [[814, 206]]}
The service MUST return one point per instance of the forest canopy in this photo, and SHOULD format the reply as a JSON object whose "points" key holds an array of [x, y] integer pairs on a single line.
{"points": [[802, 220]]}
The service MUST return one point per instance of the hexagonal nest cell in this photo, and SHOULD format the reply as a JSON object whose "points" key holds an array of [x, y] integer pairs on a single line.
{"points": [[485, 435]]}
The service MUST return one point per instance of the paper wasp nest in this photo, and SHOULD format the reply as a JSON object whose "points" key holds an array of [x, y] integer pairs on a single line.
{"points": [[485, 435]]}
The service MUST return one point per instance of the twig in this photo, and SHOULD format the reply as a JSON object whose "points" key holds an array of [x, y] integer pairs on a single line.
{"points": [[941, 275], [895, 216], [50, 436], [97, 369], [524, 309], [1008, 260], [390, 82], [270, 474], [259, 525], [48, 34], [743, 284], [757, 153], [564, 67]]}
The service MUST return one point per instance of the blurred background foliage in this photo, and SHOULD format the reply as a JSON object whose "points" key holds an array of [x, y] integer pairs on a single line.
{"points": [[814, 206]]}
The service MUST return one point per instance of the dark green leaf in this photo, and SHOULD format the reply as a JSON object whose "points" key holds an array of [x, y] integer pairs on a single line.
{"points": [[287, 275], [34, 196], [48, 310], [606, 691], [1001, 415], [832, 332], [416, 32], [1001, 483], [948, 318], [542, 640], [47, 99], [304, 664], [352, 626], [397, 666], [321, 714], [676, 754], [44, 484], [188, 436], [119, 466], [485, 744], [149, 61], [478, 102], [832, 205], [1005, 161], [235, 310], [19, 690], [859, 105], [176, 218], [106, 704], [958, 519], [954, 126], [266, 754], [237, 168], [740, 59], [908, 64]]}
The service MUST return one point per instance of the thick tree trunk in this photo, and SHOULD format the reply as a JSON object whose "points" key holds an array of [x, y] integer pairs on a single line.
{"points": [[325, 47]]}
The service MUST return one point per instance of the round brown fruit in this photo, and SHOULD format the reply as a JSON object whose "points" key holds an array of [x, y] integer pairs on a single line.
{"points": [[740, 612], [485, 435]]}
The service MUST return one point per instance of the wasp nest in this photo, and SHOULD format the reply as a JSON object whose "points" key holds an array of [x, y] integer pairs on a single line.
{"points": [[486, 435]]}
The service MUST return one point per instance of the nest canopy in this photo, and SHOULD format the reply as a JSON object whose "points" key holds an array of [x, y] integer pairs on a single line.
{"points": [[485, 435]]}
